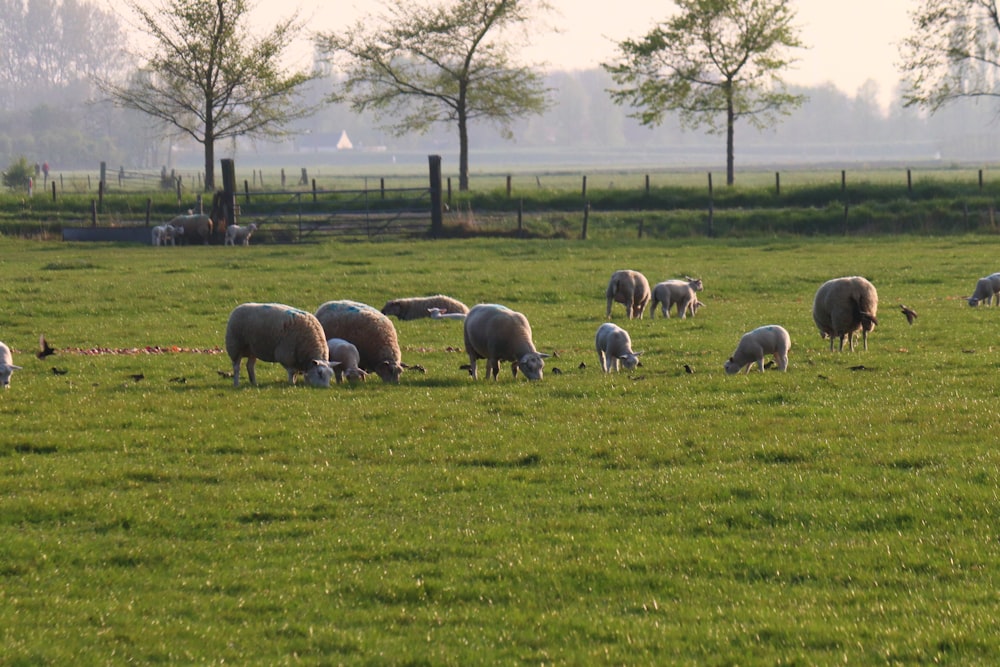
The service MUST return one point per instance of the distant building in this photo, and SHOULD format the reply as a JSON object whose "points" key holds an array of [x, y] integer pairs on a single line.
{"points": [[344, 144]]}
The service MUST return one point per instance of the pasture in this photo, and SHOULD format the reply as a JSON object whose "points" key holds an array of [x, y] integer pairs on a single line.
{"points": [[842, 512]]}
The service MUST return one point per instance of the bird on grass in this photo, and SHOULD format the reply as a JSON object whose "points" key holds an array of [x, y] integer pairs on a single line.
{"points": [[44, 349], [909, 313]]}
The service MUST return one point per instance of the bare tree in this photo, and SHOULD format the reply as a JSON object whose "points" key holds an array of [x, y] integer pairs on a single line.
{"points": [[209, 77], [953, 53], [715, 62], [450, 63]]}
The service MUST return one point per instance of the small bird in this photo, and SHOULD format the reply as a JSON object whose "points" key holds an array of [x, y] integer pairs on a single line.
{"points": [[769, 364], [859, 367], [582, 365], [225, 374], [59, 371], [180, 379], [909, 312], [44, 349], [556, 370], [137, 376], [688, 369]]}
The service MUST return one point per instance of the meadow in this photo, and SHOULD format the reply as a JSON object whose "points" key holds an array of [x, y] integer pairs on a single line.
{"points": [[842, 512]]}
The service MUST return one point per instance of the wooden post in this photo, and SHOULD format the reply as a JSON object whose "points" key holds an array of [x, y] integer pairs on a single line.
{"points": [[282, 178], [305, 177], [246, 190], [100, 196], [449, 190], [508, 185], [437, 210], [104, 174], [228, 191], [199, 205], [909, 182], [314, 190], [584, 193], [178, 181], [647, 184], [777, 183], [381, 187], [586, 218], [254, 173], [53, 190], [843, 180], [980, 180]]}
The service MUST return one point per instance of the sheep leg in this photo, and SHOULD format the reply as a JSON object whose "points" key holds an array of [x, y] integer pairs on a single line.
{"points": [[251, 374], [781, 359], [236, 372], [493, 368], [602, 360], [472, 368], [610, 301]]}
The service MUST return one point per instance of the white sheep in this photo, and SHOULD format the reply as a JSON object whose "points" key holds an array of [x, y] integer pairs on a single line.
{"points": [[237, 235], [630, 288], [369, 330], [278, 333], [348, 360], [614, 348], [7, 366], [679, 292], [439, 314], [497, 333], [754, 345], [195, 226], [413, 308], [843, 306], [164, 234], [987, 291]]}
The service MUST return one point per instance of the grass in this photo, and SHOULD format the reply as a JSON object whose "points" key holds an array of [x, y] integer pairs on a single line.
{"points": [[810, 517]]}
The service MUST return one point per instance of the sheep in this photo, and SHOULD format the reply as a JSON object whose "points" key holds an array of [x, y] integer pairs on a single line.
{"points": [[844, 305], [630, 288], [7, 366], [987, 291], [163, 234], [753, 345], [417, 307], [196, 226], [497, 333], [369, 330], [347, 357], [278, 333], [614, 347], [438, 314], [236, 235], [680, 292]]}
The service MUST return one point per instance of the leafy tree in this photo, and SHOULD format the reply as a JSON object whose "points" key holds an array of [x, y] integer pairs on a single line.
{"points": [[715, 62], [953, 53], [209, 77], [18, 174], [449, 63]]}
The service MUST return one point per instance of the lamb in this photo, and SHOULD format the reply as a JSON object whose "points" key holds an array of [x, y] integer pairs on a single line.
{"points": [[680, 292], [753, 345], [438, 314], [163, 234], [614, 347], [7, 366], [987, 290], [630, 288], [417, 307], [237, 235], [196, 226], [278, 333], [369, 330], [497, 333], [844, 305], [347, 358]]}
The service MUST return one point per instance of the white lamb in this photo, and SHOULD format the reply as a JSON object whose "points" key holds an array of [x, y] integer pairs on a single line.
{"points": [[754, 345], [679, 292], [237, 235], [347, 358], [278, 333], [614, 347], [843, 306], [416, 307], [987, 291], [7, 366], [630, 288], [368, 330], [439, 314], [164, 234], [497, 333]]}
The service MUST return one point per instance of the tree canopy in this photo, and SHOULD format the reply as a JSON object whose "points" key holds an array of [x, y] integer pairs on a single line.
{"points": [[715, 62], [952, 53], [449, 63], [208, 76]]}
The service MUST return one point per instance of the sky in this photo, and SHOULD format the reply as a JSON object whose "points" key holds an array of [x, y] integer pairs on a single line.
{"points": [[850, 41]]}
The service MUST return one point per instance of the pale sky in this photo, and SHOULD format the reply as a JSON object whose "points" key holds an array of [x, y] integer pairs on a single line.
{"points": [[850, 41]]}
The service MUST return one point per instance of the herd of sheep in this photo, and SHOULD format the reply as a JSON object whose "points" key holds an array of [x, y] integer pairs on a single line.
{"points": [[352, 339], [197, 228]]}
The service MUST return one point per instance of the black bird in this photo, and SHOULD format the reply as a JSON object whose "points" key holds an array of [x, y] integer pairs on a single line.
{"points": [[59, 371], [582, 365], [44, 349], [909, 312], [556, 370], [688, 369], [181, 380], [137, 376]]}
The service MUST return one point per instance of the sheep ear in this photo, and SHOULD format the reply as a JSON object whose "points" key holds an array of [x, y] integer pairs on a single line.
{"points": [[638, 353], [14, 368]]}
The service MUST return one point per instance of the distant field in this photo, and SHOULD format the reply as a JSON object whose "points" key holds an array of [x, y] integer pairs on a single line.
{"points": [[842, 512]]}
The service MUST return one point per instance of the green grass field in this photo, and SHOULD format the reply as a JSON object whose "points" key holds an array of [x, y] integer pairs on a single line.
{"points": [[819, 516]]}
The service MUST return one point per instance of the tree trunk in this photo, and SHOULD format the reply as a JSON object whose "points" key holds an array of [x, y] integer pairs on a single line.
{"points": [[209, 150], [730, 123], [463, 151]]}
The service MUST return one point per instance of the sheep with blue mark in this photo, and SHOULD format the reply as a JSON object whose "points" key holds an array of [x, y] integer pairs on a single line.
{"points": [[371, 332]]}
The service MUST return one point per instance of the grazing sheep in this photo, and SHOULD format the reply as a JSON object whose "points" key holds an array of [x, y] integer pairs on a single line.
{"points": [[237, 235], [987, 291], [614, 347], [754, 345], [497, 333], [7, 366], [347, 358], [844, 305], [630, 288], [369, 330], [679, 292], [438, 314], [417, 307], [278, 333], [196, 227]]}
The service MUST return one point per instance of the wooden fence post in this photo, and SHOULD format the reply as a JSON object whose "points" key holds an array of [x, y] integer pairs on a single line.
{"points": [[980, 180], [314, 190], [246, 191], [584, 193], [777, 183], [647, 184], [100, 196], [282, 178], [228, 192], [305, 177], [843, 180], [508, 186], [449, 191], [53, 190], [437, 209], [909, 182], [381, 187]]}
